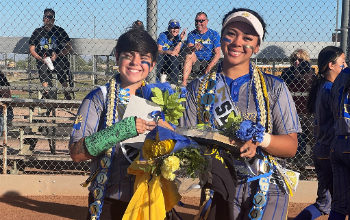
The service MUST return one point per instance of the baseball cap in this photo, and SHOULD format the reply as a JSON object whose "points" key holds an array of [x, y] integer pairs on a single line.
{"points": [[248, 18], [174, 23]]}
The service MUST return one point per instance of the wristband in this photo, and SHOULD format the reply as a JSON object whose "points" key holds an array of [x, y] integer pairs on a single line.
{"points": [[266, 141], [108, 137]]}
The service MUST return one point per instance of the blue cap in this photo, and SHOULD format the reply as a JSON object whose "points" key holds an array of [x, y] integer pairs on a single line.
{"points": [[174, 23]]}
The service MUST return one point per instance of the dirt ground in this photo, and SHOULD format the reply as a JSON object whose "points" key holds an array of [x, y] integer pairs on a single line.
{"points": [[75, 207]]}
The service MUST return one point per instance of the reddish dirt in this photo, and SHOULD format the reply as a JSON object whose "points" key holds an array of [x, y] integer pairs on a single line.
{"points": [[75, 207]]}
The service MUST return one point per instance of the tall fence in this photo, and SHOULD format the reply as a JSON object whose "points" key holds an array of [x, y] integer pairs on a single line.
{"points": [[37, 132]]}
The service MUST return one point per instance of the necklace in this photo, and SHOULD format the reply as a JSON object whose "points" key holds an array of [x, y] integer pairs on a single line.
{"points": [[117, 99]]}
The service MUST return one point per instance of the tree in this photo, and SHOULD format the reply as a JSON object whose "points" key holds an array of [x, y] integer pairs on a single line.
{"points": [[22, 64]]}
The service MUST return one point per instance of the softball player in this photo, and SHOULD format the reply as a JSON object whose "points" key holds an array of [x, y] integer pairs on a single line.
{"points": [[319, 102], [240, 87], [340, 147], [100, 128]]}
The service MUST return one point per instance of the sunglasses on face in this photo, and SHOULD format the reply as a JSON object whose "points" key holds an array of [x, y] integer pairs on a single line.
{"points": [[175, 28], [200, 21], [48, 16]]}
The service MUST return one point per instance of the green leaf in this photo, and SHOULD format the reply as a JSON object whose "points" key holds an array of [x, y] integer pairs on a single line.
{"points": [[166, 118], [157, 96], [173, 96], [166, 97], [175, 122], [172, 105], [158, 101], [180, 108], [181, 100], [157, 92]]}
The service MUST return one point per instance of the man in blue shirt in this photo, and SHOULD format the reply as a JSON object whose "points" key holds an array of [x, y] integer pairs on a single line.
{"points": [[204, 44], [169, 45]]}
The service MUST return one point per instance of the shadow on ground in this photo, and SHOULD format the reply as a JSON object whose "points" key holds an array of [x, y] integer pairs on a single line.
{"points": [[62, 210]]}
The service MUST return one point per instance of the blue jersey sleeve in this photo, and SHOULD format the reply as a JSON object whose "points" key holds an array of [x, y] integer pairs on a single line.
{"points": [[191, 38], [216, 40], [284, 114], [88, 118], [161, 39]]}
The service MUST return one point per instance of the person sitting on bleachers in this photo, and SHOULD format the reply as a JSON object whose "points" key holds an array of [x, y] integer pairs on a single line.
{"points": [[5, 93], [204, 45], [169, 45]]}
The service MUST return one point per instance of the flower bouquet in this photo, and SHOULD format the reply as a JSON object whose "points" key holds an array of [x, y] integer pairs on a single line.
{"points": [[168, 99], [244, 130], [165, 156]]}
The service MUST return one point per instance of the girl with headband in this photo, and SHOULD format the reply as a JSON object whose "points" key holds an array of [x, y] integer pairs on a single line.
{"points": [[249, 185]]}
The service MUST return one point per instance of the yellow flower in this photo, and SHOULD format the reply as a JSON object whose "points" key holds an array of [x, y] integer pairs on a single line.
{"points": [[171, 164], [162, 148], [153, 148], [168, 175], [147, 149]]}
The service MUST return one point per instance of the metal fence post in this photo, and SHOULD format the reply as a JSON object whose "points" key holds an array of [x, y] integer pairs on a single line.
{"points": [[344, 26], [152, 17]]}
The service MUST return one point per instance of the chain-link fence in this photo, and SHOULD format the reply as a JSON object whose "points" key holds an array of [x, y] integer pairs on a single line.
{"points": [[39, 119]]}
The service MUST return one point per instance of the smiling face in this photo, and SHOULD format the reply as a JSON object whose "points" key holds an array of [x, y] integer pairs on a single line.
{"points": [[238, 43], [201, 23], [174, 31], [134, 67], [339, 64]]}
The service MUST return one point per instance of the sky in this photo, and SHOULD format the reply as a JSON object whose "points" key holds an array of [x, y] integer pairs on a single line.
{"points": [[287, 20]]}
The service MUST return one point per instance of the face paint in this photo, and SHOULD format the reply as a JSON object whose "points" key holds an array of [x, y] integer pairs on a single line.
{"points": [[146, 62], [226, 39], [248, 47], [342, 66]]}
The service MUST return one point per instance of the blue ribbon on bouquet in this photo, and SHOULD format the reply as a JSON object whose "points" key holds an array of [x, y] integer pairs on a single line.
{"points": [[156, 114]]}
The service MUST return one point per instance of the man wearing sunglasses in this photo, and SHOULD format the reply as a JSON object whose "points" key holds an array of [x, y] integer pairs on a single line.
{"points": [[204, 45], [169, 45], [53, 42]]}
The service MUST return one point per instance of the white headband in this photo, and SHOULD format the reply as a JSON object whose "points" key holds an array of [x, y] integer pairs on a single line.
{"points": [[248, 18]]}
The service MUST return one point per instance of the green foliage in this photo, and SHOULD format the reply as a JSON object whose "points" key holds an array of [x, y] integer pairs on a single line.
{"points": [[158, 97], [191, 161], [22, 64], [170, 104], [233, 123]]}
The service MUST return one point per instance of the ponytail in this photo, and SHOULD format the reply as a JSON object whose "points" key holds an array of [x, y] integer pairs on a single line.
{"points": [[327, 55], [311, 100]]}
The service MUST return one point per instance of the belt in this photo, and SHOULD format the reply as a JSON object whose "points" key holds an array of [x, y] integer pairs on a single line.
{"points": [[343, 136]]}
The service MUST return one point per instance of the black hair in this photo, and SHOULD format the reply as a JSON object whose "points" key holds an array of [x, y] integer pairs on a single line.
{"points": [[327, 55], [263, 24], [49, 10], [138, 24], [138, 40]]}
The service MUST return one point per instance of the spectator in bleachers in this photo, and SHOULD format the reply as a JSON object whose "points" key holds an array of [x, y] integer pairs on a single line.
{"points": [[138, 24], [204, 45], [5, 93], [299, 65], [298, 78], [169, 45], [51, 41]]}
